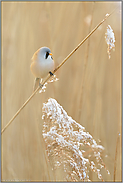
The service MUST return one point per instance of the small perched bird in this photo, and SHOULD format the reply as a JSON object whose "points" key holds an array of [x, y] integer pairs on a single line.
{"points": [[42, 64]]}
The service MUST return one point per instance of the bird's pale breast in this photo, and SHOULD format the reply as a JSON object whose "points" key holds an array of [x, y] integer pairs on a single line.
{"points": [[41, 67]]}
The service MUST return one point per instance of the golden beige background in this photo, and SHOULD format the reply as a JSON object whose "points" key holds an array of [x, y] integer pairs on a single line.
{"points": [[89, 86]]}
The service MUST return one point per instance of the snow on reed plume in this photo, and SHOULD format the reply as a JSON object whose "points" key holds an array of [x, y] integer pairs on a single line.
{"points": [[68, 145], [110, 40]]}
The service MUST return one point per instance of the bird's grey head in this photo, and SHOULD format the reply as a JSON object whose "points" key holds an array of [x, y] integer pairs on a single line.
{"points": [[45, 51]]}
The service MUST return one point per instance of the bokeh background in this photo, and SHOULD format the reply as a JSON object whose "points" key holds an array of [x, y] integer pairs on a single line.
{"points": [[89, 86]]}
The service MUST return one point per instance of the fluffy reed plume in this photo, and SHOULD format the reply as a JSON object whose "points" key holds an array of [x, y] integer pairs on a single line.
{"points": [[69, 146], [110, 40]]}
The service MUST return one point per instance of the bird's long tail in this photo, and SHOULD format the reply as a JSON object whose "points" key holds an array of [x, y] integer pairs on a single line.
{"points": [[36, 83]]}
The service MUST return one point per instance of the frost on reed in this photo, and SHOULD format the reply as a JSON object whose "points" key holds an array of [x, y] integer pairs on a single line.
{"points": [[110, 40], [53, 79], [69, 146]]}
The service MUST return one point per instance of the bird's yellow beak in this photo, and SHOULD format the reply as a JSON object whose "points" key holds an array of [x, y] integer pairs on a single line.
{"points": [[50, 54]]}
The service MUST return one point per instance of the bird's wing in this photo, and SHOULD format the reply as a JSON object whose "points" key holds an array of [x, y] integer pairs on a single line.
{"points": [[34, 57]]}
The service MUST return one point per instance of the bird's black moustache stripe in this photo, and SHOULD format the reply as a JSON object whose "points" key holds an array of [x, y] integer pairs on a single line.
{"points": [[47, 54]]}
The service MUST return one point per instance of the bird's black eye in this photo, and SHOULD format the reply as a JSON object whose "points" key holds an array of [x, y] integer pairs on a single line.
{"points": [[47, 54]]}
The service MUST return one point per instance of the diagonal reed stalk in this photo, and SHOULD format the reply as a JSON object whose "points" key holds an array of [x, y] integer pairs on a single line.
{"points": [[58, 67]]}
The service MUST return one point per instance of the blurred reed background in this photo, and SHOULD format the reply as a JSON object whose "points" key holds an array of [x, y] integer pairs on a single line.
{"points": [[89, 86]]}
